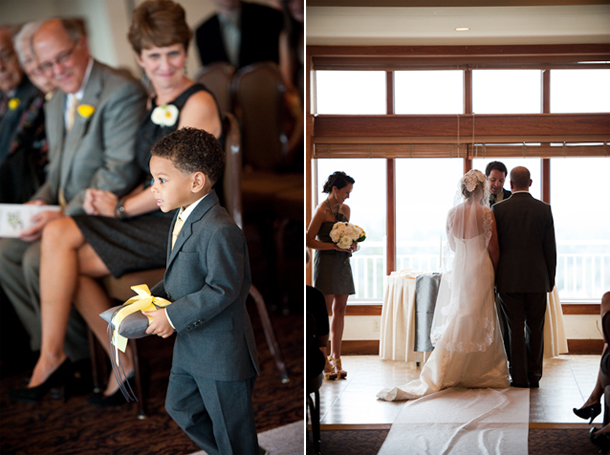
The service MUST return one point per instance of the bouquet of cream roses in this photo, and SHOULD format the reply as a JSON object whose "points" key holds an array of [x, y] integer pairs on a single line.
{"points": [[346, 234]]}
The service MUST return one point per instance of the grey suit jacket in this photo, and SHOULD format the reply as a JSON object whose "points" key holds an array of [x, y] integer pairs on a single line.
{"points": [[99, 151], [526, 234], [208, 280]]}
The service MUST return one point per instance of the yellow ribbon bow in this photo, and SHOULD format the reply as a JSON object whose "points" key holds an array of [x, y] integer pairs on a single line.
{"points": [[144, 301]]}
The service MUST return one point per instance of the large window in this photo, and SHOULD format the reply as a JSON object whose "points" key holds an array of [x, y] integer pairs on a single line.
{"points": [[506, 91], [582, 90], [350, 92], [425, 191], [582, 226], [367, 205], [429, 92], [430, 137]]}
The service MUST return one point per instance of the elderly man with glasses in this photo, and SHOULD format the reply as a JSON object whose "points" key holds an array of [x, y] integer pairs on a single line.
{"points": [[91, 125]]}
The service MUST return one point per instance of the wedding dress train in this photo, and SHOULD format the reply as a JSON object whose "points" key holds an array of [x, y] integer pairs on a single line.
{"points": [[468, 344]]}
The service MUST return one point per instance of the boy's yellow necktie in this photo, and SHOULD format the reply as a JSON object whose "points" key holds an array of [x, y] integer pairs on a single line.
{"points": [[176, 231]]}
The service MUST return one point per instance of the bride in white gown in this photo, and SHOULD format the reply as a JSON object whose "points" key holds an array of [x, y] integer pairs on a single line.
{"points": [[468, 349]]}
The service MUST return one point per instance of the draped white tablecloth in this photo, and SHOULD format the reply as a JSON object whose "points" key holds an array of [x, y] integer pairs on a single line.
{"points": [[555, 341], [397, 331]]}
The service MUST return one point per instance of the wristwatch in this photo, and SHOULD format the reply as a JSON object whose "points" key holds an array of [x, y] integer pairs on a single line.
{"points": [[119, 210]]}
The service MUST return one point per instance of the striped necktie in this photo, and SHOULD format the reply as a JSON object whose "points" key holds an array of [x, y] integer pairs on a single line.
{"points": [[176, 231]]}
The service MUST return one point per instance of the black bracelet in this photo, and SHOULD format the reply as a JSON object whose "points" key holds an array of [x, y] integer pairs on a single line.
{"points": [[119, 210]]}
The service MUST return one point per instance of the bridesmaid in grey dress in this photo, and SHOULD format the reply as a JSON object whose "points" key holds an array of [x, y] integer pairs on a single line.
{"points": [[332, 270]]}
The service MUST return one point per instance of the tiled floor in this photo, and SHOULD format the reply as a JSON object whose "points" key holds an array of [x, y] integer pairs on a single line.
{"points": [[351, 403]]}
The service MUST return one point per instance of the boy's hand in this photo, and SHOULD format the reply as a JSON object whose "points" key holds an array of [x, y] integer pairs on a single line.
{"points": [[160, 325]]}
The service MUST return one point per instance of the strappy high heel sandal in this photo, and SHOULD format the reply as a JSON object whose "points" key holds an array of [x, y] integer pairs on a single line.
{"points": [[336, 363], [330, 373]]}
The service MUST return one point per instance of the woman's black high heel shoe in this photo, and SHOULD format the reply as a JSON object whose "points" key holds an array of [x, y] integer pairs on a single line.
{"points": [[589, 412], [116, 399], [600, 440], [57, 380]]}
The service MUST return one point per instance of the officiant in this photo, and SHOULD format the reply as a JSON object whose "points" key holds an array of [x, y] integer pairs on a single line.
{"points": [[496, 177]]}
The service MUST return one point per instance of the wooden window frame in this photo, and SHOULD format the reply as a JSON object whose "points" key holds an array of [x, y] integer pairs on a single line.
{"points": [[465, 136]]}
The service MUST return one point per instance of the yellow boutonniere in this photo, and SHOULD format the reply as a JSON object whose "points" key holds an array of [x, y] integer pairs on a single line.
{"points": [[86, 110], [14, 103]]}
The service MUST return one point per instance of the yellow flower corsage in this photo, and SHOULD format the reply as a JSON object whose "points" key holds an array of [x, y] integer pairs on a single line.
{"points": [[85, 110], [164, 115], [14, 103]]}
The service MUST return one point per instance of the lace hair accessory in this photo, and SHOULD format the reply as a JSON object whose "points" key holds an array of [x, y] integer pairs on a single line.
{"points": [[472, 179]]}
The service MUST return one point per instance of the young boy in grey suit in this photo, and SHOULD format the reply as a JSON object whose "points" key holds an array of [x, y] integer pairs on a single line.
{"points": [[207, 279]]}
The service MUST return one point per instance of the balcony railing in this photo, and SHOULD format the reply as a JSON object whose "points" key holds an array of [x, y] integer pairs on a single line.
{"points": [[579, 275]]}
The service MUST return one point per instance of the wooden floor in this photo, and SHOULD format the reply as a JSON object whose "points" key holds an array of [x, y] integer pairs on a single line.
{"points": [[351, 403]]}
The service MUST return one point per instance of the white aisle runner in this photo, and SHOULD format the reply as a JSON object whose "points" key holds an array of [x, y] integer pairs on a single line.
{"points": [[462, 421]]}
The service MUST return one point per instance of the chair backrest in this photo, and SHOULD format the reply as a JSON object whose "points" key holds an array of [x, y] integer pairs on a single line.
{"points": [[258, 97], [233, 163], [217, 77]]}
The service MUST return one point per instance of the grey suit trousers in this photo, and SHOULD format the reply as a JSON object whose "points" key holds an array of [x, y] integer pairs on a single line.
{"points": [[20, 279], [217, 415]]}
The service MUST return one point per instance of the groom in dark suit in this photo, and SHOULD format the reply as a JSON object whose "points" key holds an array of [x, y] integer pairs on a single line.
{"points": [[526, 272]]}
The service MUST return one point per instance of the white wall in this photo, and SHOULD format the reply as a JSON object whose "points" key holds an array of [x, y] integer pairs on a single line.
{"points": [[387, 26]]}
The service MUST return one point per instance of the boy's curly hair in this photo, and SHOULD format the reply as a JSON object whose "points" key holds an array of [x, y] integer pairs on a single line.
{"points": [[192, 150]]}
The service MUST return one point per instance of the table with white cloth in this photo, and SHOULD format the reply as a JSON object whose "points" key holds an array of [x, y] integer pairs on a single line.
{"points": [[398, 329]]}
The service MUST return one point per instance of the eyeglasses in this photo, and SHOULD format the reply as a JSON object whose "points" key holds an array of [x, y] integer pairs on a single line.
{"points": [[61, 59]]}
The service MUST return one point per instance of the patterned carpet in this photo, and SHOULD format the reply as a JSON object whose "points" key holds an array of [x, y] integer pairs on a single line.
{"points": [[540, 442], [76, 427]]}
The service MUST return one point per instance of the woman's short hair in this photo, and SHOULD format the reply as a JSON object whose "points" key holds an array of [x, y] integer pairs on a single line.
{"points": [[158, 23], [338, 179]]}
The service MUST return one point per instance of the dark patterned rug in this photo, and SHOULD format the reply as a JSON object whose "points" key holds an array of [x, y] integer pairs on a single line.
{"points": [[540, 442], [76, 427]]}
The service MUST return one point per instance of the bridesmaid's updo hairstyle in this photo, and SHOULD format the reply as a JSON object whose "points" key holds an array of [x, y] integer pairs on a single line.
{"points": [[338, 179], [158, 23]]}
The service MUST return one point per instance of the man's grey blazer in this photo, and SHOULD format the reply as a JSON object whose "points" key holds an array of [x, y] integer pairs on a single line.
{"points": [[99, 151], [526, 235], [208, 279]]}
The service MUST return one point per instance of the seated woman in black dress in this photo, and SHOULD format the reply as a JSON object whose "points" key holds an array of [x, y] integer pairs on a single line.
{"points": [[592, 407], [120, 236]]}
